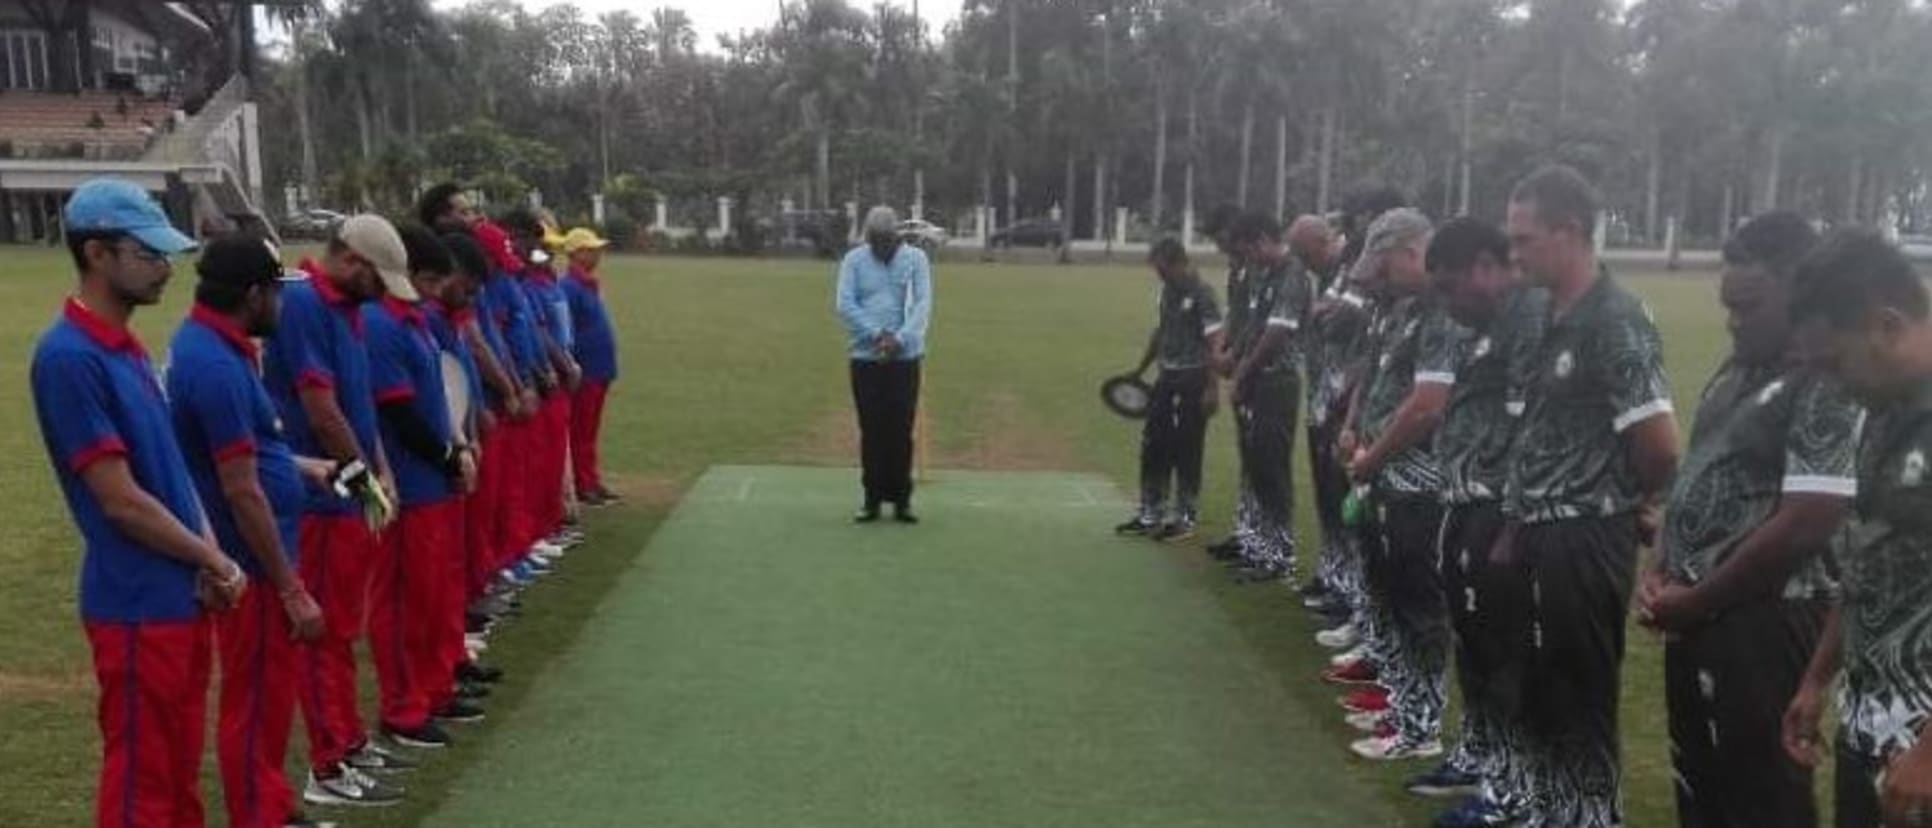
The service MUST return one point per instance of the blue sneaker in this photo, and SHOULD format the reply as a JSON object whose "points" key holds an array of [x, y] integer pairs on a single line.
{"points": [[535, 567], [1475, 812], [1445, 780]]}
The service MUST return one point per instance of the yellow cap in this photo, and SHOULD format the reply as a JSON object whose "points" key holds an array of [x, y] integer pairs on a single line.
{"points": [[583, 238], [553, 240]]}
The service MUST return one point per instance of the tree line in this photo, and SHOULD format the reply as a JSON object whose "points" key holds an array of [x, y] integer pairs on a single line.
{"points": [[1702, 110]]}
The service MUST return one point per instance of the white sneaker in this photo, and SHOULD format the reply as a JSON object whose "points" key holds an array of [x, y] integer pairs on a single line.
{"points": [[1340, 638], [351, 787], [1366, 721], [1357, 653], [546, 552], [1393, 748], [475, 643]]}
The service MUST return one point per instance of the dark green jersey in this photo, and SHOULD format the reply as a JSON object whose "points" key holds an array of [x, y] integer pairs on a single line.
{"points": [[1598, 370], [1761, 431], [1334, 349], [1415, 343], [1277, 297], [1479, 423], [1188, 316], [1887, 563]]}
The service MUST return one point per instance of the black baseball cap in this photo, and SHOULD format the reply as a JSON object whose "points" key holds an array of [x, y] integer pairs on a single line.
{"points": [[239, 262]]}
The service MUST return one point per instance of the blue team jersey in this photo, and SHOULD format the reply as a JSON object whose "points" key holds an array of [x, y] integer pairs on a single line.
{"points": [[96, 396], [594, 343], [222, 411], [548, 294], [444, 326], [319, 344], [510, 309], [407, 368]]}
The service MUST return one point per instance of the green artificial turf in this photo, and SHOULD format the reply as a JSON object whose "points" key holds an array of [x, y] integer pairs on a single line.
{"points": [[738, 362]]}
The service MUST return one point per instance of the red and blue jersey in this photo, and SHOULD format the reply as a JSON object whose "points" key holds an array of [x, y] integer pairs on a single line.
{"points": [[319, 344], [407, 367], [510, 309], [594, 343], [222, 411], [553, 306], [445, 324], [96, 396]]}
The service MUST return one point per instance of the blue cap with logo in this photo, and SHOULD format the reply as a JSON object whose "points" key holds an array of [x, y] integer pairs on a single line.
{"points": [[114, 205]]}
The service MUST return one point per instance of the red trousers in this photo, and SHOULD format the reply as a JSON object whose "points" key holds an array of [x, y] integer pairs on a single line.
{"points": [[553, 451], [586, 420], [515, 525], [415, 594], [338, 553], [153, 709], [258, 662], [484, 508]]}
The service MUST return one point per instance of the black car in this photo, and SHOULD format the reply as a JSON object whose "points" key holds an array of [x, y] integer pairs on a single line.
{"points": [[1031, 233]]}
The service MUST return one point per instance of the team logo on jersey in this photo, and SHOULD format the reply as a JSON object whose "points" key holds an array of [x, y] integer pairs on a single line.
{"points": [[1386, 359], [1770, 392], [1482, 348], [1565, 363], [1914, 471], [1187, 303], [1410, 330]]}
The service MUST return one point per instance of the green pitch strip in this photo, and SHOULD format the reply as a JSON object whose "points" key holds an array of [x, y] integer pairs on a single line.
{"points": [[1006, 663]]}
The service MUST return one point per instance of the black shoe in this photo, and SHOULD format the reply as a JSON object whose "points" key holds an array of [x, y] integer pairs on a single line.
{"points": [[1224, 546], [459, 711], [472, 691], [869, 513], [428, 737], [1313, 589], [1179, 530], [301, 820], [902, 512], [473, 672], [592, 499], [1260, 573], [1137, 527], [374, 758]]}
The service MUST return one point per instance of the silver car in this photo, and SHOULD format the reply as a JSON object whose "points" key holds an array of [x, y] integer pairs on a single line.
{"points": [[923, 234]]}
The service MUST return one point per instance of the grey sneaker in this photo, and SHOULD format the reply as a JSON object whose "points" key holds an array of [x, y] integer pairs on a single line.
{"points": [[374, 758], [352, 788]]}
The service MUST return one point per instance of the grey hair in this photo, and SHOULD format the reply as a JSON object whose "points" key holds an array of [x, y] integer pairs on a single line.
{"points": [[1396, 228], [881, 220]]}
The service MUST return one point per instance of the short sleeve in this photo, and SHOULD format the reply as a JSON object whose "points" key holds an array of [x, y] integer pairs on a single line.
{"points": [[1209, 310], [388, 366], [1438, 345], [1821, 445], [71, 398], [1631, 361], [1291, 302], [223, 404], [297, 345]]}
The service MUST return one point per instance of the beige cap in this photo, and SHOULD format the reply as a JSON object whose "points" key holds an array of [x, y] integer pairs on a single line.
{"points": [[374, 238]]}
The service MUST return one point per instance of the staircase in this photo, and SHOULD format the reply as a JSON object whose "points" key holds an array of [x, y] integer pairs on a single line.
{"points": [[209, 150]]}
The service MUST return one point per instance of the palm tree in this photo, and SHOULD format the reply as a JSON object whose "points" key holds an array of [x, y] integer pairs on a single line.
{"points": [[821, 45]]}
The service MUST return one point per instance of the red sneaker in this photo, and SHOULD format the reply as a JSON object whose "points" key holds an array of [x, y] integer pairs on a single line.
{"points": [[1359, 671], [1371, 699]]}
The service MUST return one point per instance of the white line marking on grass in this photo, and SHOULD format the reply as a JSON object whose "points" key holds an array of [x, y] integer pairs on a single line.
{"points": [[744, 489], [1086, 497]]}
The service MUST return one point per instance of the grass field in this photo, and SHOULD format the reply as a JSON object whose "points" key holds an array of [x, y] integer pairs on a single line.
{"points": [[732, 362]]}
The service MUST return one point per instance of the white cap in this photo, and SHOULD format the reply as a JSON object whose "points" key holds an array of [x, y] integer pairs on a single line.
{"points": [[374, 238]]}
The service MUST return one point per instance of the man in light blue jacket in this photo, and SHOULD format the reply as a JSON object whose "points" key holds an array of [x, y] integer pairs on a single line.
{"points": [[885, 300]]}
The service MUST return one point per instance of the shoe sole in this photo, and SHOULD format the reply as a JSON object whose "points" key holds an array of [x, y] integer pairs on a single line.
{"points": [[1334, 644], [1350, 682], [461, 719], [1422, 753], [1443, 791], [331, 800], [414, 744]]}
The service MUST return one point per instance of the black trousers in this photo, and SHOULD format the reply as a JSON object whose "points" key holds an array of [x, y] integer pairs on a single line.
{"points": [[1267, 421], [1489, 609], [1580, 573], [1727, 685], [887, 396], [1171, 442], [1857, 789], [1403, 581]]}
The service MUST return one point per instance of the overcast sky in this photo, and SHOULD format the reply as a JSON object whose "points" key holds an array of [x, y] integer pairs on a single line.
{"points": [[716, 17]]}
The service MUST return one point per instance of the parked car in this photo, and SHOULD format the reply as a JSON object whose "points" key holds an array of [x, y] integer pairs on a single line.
{"points": [[1038, 232], [1916, 248], [310, 224], [923, 234]]}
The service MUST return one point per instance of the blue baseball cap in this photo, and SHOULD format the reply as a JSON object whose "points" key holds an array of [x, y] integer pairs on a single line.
{"points": [[114, 205]]}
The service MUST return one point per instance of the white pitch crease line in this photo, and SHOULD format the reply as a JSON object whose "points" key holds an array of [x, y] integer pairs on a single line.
{"points": [[744, 489]]}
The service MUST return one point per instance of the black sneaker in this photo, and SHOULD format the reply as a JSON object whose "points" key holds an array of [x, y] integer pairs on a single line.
{"points": [[374, 758], [1224, 547], [1139, 527], [459, 711], [902, 513], [472, 691], [352, 788], [869, 513], [1445, 780], [473, 672], [1260, 573], [301, 820], [1313, 589], [592, 499], [605, 494], [428, 737], [1179, 530]]}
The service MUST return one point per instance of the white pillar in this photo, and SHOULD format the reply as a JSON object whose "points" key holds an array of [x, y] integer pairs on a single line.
{"points": [[1054, 212], [724, 216], [597, 208], [1603, 231], [1187, 225], [663, 215], [291, 198], [1120, 225], [785, 206], [918, 210], [980, 222], [852, 220], [1670, 243], [536, 199]]}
